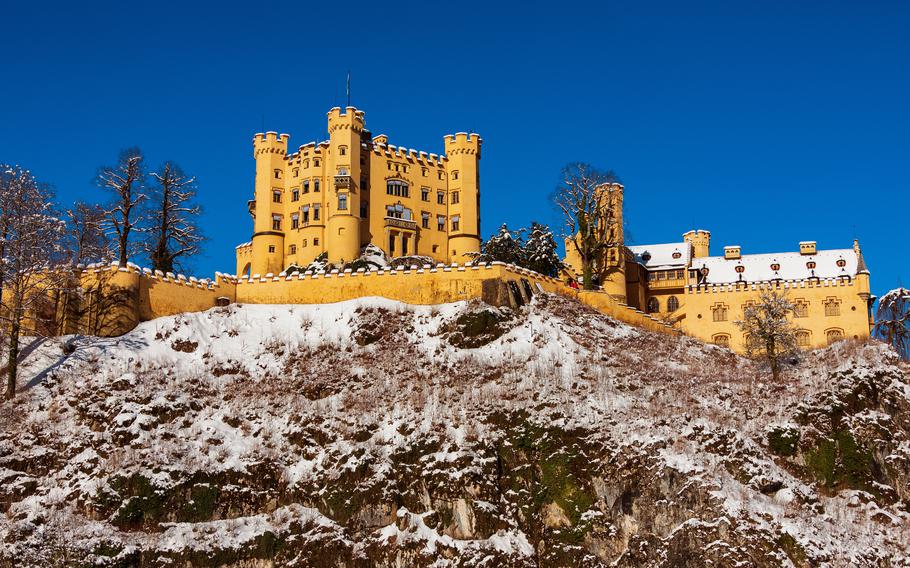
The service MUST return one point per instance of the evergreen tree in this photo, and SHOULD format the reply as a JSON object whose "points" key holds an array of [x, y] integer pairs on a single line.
{"points": [[540, 251], [505, 246]]}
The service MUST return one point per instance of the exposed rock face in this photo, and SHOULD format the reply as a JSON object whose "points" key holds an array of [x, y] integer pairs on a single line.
{"points": [[371, 433]]}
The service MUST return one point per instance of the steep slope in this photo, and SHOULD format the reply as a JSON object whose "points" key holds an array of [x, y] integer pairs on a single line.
{"points": [[372, 433]]}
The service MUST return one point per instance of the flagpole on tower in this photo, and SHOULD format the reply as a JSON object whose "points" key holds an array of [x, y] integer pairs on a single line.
{"points": [[349, 88]]}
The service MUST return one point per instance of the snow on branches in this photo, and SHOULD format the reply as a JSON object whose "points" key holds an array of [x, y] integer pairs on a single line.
{"points": [[769, 333], [892, 320]]}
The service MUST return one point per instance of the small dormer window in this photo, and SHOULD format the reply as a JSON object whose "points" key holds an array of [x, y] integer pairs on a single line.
{"points": [[810, 265], [740, 268], [646, 256], [775, 267], [841, 263], [677, 254]]}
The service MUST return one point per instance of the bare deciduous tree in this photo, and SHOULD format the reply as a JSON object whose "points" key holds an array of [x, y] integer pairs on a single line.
{"points": [[30, 244], [587, 201], [86, 240], [892, 320], [173, 233], [126, 181], [769, 333]]}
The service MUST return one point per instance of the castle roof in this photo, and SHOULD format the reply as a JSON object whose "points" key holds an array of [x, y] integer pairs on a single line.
{"points": [[789, 266], [661, 256]]}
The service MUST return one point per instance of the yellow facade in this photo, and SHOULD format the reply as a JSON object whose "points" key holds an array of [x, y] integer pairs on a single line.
{"points": [[354, 189], [703, 296]]}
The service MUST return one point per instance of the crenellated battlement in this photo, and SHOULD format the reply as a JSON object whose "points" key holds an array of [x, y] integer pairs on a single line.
{"points": [[463, 143], [349, 118], [270, 143]]}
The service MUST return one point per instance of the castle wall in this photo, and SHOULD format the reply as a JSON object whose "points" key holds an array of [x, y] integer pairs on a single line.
{"points": [[699, 303]]}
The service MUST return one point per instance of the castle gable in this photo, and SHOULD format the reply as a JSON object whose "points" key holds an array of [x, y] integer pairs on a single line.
{"points": [[779, 266]]}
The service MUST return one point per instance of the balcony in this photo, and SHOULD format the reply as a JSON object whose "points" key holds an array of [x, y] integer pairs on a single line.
{"points": [[342, 182], [401, 223]]}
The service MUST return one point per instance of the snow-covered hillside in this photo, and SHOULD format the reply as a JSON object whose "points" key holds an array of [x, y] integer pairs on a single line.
{"points": [[372, 433]]}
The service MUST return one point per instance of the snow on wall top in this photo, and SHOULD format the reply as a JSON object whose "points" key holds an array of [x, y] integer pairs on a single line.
{"points": [[661, 256], [789, 266]]}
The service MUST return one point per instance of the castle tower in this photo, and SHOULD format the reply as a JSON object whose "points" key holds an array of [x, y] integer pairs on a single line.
{"points": [[700, 241], [343, 197], [463, 170], [269, 150]]}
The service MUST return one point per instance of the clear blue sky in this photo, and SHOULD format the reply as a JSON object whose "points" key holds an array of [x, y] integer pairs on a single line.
{"points": [[767, 123]]}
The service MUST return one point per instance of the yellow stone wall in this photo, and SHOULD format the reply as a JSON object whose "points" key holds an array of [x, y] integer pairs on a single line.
{"points": [[852, 321], [356, 167]]}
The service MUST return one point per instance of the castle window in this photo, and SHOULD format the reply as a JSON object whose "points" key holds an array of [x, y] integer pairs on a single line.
{"points": [[424, 193], [277, 174], [424, 172], [306, 186], [752, 343], [802, 338], [801, 309], [276, 223], [397, 188], [672, 304], [295, 221], [440, 222], [455, 174], [296, 172], [832, 307], [456, 220], [315, 186], [342, 171], [306, 164], [306, 215], [304, 243], [721, 340], [292, 249], [454, 197], [653, 305], [315, 242], [425, 220], [315, 163], [392, 237], [316, 212], [719, 312], [363, 184], [834, 335], [343, 202], [271, 248], [441, 176], [342, 150], [435, 249], [295, 195], [441, 197], [363, 210], [276, 196]]}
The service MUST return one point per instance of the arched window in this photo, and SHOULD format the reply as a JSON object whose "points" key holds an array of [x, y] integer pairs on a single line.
{"points": [[834, 335], [803, 339], [653, 305], [397, 188], [719, 312], [801, 309], [672, 304], [721, 340], [342, 202], [832, 307]]}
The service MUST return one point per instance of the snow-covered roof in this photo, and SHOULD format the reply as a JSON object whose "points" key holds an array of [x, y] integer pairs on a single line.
{"points": [[790, 266], [667, 255]]}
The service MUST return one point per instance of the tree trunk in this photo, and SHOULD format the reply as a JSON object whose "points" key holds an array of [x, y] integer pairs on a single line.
{"points": [[587, 275], [124, 236], [13, 363]]}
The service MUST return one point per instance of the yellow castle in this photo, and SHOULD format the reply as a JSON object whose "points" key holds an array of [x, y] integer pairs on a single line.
{"points": [[354, 189], [702, 295]]}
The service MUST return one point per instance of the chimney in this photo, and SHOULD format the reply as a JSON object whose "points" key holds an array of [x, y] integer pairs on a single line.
{"points": [[807, 247], [732, 252]]}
